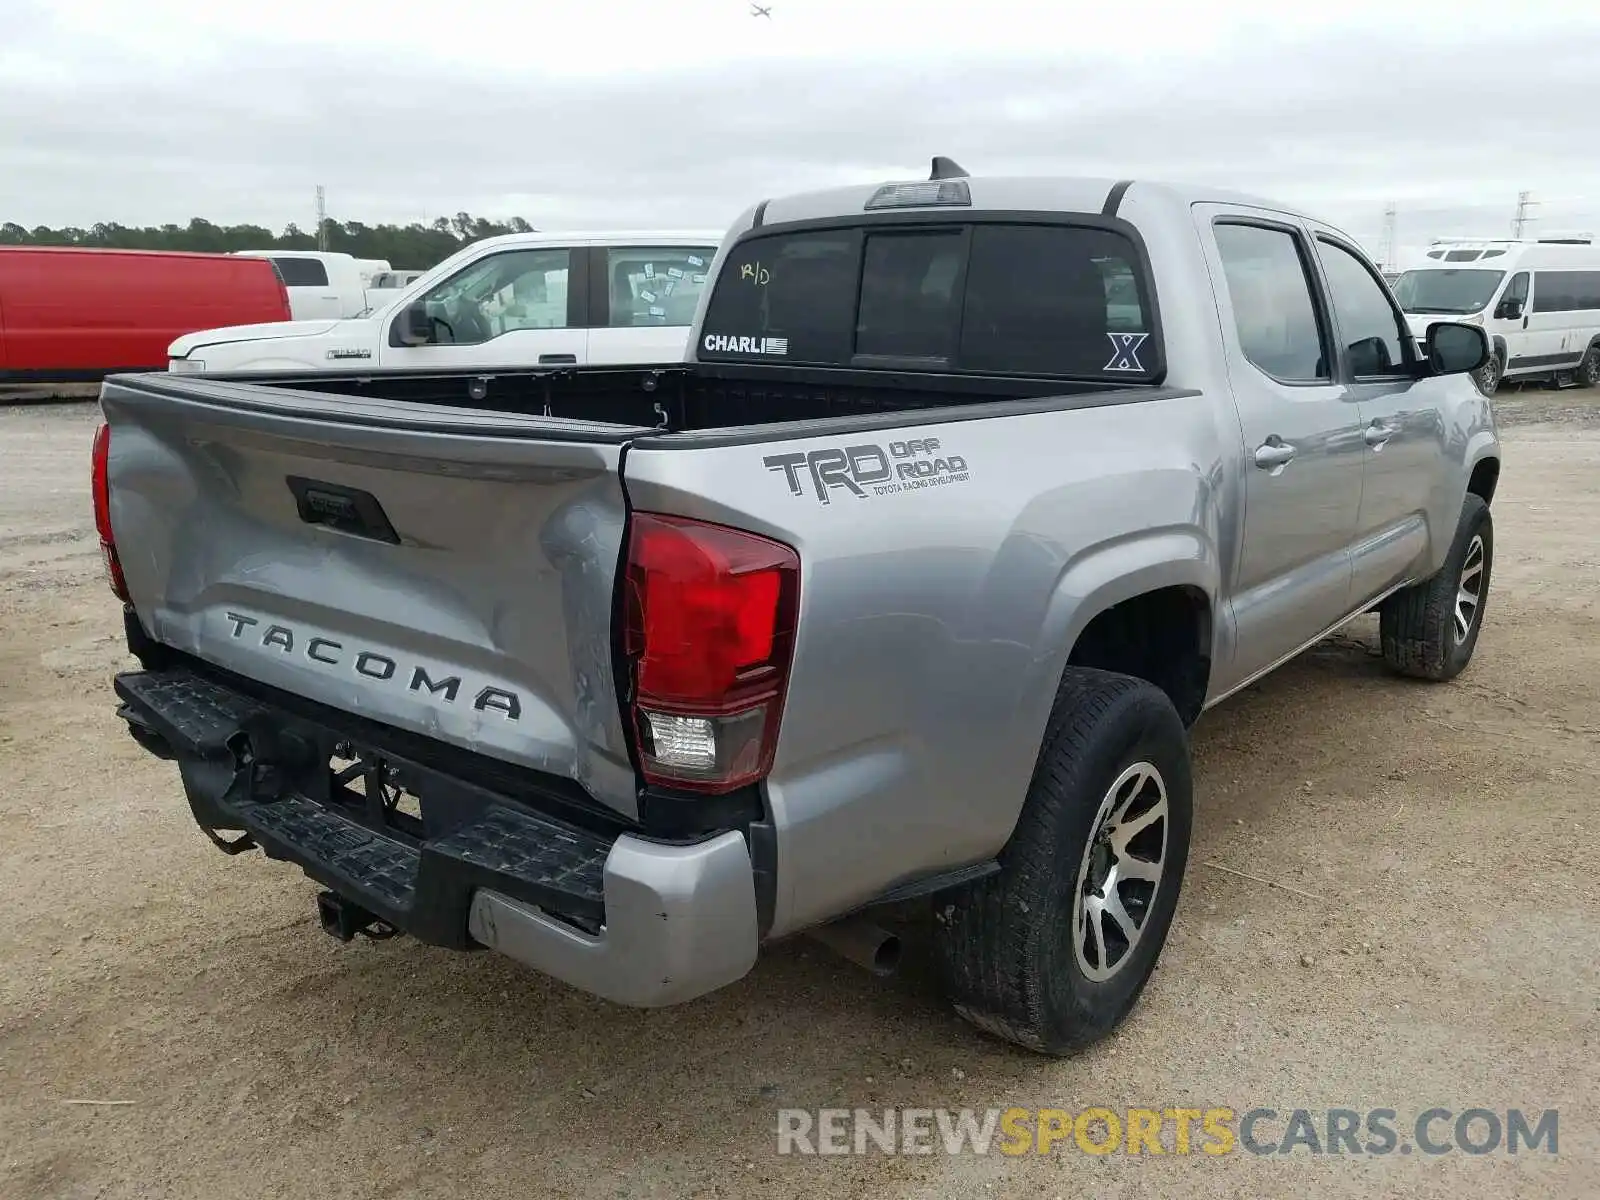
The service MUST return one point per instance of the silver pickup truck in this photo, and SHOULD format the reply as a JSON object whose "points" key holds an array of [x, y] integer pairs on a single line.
{"points": [[910, 583]]}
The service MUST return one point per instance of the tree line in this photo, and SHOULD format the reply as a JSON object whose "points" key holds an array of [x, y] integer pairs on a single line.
{"points": [[414, 247]]}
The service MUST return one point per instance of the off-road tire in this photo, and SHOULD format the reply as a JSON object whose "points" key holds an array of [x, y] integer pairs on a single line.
{"points": [[1489, 376], [1005, 945], [1417, 624]]}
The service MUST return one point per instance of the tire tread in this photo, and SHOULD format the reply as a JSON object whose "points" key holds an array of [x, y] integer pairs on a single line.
{"points": [[991, 960], [1415, 624]]}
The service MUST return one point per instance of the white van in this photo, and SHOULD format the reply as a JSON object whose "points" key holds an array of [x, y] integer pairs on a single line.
{"points": [[386, 286], [321, 283], [520, 300], [1539, 301], [371, 268], [389, 280]]}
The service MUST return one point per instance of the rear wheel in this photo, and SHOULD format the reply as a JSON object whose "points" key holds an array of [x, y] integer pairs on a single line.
{"points": [[1430, 629], [1053, 952]]}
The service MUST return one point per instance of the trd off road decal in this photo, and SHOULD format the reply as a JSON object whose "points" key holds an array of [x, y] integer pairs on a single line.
{"points": [[1125, 352], [870, 469]]}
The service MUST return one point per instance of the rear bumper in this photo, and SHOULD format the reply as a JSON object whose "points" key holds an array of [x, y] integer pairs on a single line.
{"points": [[680, 922], [637, 921]]}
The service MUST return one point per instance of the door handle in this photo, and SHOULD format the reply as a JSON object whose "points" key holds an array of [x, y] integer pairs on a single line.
{"points": [[1377, 434], [1274, 453], [570, 359]]}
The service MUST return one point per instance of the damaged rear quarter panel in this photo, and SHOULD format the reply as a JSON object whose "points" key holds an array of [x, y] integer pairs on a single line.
{"points": [[945, 570]]}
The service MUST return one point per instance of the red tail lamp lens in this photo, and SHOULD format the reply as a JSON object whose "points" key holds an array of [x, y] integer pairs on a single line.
{"points": [[100, 489], [709, 637]]}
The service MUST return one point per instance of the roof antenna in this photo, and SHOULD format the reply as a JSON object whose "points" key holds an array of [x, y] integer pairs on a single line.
{"points": [[947, 168]]}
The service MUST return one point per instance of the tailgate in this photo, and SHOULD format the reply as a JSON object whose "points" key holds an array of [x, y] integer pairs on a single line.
{"points": [[447, 572]]}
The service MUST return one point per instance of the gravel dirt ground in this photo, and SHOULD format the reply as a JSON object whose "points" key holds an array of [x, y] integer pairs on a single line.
{"points": [[1439, 946]]}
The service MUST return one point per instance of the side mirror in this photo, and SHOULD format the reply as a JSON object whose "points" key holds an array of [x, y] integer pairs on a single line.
{"points": [[1454, 348], [1508, 310], [413, 327]]}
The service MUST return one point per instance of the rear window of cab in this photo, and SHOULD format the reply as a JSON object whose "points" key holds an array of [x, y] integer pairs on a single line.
{"points": [[981, 297]]}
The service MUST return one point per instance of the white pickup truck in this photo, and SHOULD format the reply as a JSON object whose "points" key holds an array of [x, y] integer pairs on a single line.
{"points": [[522, 300], [322, 284]]}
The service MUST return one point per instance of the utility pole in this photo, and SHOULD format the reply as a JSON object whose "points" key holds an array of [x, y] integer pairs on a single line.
{"points": [[322, 218], [1390, 219], [1524, 203]]}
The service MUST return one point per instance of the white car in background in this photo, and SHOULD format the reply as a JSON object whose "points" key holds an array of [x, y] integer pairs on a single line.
{"points": [[385, 286], [320, 283], [371, 268], [524, 299]]}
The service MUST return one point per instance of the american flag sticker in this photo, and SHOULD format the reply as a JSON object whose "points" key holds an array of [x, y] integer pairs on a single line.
{"points": [[774, 345]]}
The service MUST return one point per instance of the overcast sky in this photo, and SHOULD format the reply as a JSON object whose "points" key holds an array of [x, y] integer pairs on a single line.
{"points": [[587, 113]]}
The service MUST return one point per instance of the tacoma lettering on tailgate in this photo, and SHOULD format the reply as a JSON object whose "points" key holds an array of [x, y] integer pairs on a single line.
{"points": [[369, 664]]}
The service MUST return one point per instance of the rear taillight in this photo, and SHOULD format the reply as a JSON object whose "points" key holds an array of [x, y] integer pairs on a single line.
{"points": [[100, 485], [709, 635]]}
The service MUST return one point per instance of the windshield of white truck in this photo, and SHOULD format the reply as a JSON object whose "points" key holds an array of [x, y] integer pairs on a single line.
{"points": [[992, 297], [1438, 291]]}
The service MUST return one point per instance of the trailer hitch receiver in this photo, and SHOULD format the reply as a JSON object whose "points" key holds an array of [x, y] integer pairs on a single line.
{"points": [[344, 919]]}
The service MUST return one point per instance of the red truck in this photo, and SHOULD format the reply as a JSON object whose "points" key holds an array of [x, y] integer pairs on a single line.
{"points": [[72, 314]]}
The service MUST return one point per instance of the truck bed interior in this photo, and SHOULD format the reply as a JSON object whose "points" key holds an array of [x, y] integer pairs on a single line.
{"points": [[691, 397]]}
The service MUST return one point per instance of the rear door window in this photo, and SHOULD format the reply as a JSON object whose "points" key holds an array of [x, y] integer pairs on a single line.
{"points": [[654, 285], [1270, 292], [989, 297]]}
